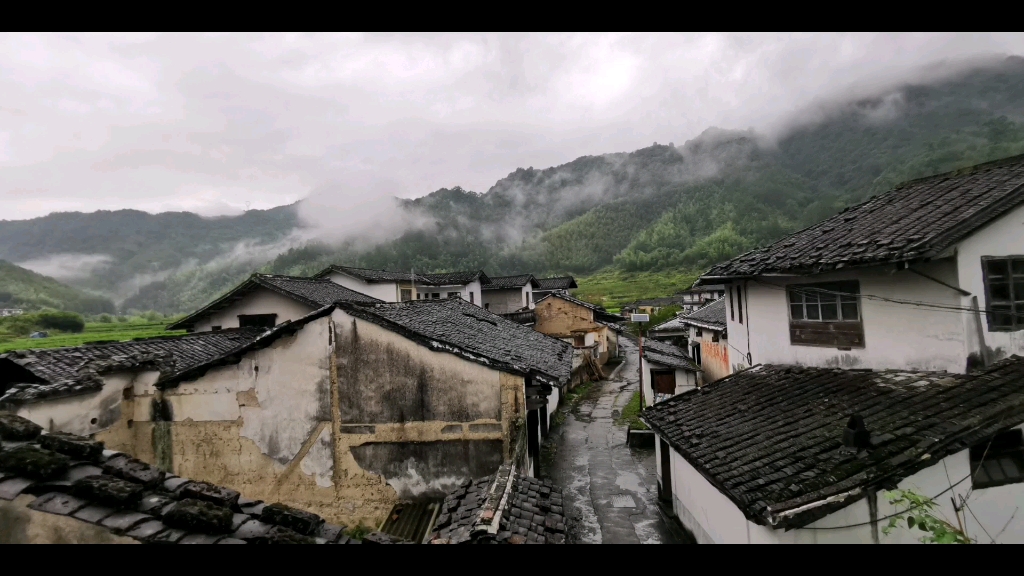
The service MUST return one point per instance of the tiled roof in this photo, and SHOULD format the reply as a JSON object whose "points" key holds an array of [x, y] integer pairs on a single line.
{"points": [[455, 278], [510, 282], [69, 371], [918, 219], [665, 354], [75, 477], [530, 511], [315, 293], [771, 438], [599, 311], [371, 275], [711, 316], [55, 372], [456, 326], [557, 283]]}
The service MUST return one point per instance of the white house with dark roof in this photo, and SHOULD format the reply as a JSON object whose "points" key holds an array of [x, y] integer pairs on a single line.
{"points": [[927, 276], [553, 285], [505, 294], [791, 454], [266, 300], [389, 286]]}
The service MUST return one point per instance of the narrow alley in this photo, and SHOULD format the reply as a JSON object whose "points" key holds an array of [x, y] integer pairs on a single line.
{"points": [[610, 488]]}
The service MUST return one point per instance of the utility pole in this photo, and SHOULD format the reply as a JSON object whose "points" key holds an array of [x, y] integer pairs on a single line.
{"points": [[640, 319]]}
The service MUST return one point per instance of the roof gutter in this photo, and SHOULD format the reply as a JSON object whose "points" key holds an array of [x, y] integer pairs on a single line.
{"points": [[775, 517]]}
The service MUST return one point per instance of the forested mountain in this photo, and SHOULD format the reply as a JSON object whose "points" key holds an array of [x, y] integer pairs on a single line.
{"points": [[21, 288], [663, 207]]}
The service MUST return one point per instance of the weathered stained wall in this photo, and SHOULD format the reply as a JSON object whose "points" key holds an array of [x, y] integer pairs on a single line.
{"points": [[714, 356], [427, 420], [260, 301], [560, 319], [22, 525], [504, 301], [88, 413]]}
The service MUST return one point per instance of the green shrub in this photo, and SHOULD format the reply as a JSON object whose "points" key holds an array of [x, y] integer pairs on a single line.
{"points": [[60, 320]]}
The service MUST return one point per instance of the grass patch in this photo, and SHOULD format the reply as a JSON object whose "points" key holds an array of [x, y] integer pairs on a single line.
{"points": [[614, 288], [631, 414], [94, 332]]}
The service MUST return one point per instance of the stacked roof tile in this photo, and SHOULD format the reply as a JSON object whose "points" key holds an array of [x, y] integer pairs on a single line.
{"points": [[557, 283], [711, 316], [495, 510], [456, 326], [664, 353], [371, 275], [54, 372], [74, 477], [916, 220], [455, 278], [771, 437], [510, 282]]}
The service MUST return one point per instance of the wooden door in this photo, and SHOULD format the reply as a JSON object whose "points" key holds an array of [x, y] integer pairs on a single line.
{"points": [[664, 381]]}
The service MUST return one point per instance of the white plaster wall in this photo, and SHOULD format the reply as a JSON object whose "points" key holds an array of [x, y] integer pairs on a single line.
{"points": [[503, 301], [260, 301], [685, 380], [88, 413], [386, 291], [1003, 237], [553, 400], [463, 289], [896, 335], [707, 513]]}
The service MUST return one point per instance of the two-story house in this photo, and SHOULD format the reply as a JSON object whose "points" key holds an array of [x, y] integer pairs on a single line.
{"points": [[865, 351], [704, 333], [504, 294], [554, 285]]}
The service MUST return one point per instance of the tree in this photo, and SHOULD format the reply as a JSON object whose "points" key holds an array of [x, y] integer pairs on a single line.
{"points": [[60, 320]]}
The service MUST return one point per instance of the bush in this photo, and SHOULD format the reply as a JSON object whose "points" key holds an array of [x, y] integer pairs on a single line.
{"points": [[64, 321], [106, 319]]}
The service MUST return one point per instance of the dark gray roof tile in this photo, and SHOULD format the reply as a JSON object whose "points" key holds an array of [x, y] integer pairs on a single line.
{"points": [[771, 437], [917, 219], [510, 282]]}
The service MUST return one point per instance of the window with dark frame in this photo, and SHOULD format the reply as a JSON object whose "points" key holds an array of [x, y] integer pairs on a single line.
{"points": [[732, 308], [739, 303], [1004, 292], [215, 328], [714, 336], [826, 314], [406, 294], [257, 320], [471, 299], [999, 461], [455, 294]]}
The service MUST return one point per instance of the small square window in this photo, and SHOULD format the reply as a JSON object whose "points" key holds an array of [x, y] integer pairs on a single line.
{"points": [[1004, 292]]}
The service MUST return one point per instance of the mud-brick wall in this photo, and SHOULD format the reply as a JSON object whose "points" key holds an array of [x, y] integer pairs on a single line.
{"points": [[559, 318], [422, 417]]}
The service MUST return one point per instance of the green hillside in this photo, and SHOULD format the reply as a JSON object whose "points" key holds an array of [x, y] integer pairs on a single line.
{"points": [[21, 288], [662, 213]]}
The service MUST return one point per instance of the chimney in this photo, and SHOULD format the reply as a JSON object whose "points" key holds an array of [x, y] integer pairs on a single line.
{"points": [[856, 435]]}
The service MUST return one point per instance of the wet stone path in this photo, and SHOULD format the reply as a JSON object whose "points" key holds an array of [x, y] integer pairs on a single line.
{"points": [[610, 489]]}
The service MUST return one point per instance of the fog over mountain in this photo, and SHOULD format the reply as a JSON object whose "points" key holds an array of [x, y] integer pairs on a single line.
{"points": [[382, 168]]}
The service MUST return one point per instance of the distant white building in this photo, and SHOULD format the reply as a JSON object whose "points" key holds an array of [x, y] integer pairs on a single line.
{"points": [[5, 312], [504, 294], [404, 286]]}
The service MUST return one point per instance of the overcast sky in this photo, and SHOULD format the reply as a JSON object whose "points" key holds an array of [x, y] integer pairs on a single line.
{"points": [[213, 123]]}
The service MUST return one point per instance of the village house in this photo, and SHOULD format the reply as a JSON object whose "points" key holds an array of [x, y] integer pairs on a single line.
{"points": [[403, 286], [792, 454], [554, 285], [347, 411], [504, 294], [582, 324], [58, 488], [928, 276], [698, 297], [703, 332], [5, 312], [266, 300], [666, 370], [900, 323]]}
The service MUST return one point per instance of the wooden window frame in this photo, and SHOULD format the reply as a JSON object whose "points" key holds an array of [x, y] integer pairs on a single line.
{"points": [[403, 292], [839, 332], [732, 305], [663, 373], [1014, 303], [739, 303], [455, 294], [998, 461]]}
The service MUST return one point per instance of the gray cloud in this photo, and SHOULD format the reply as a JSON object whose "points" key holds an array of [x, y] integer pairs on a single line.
{"points": [[209, 123]]}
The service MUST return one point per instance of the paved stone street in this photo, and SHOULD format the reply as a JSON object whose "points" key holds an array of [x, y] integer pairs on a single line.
{"points": [[610, 489]]}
